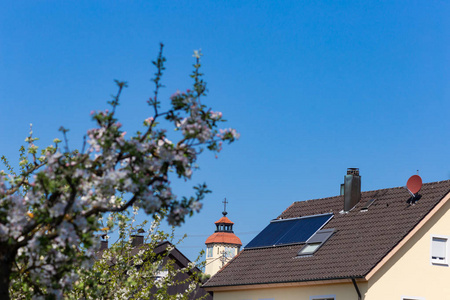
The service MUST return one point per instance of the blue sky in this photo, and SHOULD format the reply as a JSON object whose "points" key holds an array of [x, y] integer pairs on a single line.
{"points": [[314, 87]]}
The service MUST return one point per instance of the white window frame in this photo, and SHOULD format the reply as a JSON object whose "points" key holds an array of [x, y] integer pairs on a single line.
{"points": [[321, 297], [440, 262], [160, 275]]}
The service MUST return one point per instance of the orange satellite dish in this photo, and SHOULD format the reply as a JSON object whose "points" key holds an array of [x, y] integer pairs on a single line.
{"points": [[414, 184]]}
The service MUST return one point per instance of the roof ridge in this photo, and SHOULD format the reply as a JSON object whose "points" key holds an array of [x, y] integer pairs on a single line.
{"points": [[364, 192]]}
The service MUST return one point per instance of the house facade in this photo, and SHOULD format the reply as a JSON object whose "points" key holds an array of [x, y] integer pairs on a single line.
{"points": [[178, 261], [383, 244]]}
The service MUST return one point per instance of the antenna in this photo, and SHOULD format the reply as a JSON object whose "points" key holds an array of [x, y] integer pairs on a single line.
{"points": [[414, 184]]}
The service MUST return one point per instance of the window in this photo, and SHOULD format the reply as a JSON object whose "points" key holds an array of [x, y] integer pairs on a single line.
{"points": [[314, 242], [229, 252], [439, 250], [209, 251], [161, 274], [323, 297], [309, 249]]}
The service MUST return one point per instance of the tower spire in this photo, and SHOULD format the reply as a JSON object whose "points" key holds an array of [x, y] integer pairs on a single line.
{"points": [[224, 213]]}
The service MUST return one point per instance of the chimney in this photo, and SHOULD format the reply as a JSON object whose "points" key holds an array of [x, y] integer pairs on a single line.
{"points": [[103, 245], [352, 188], [137, 239]]}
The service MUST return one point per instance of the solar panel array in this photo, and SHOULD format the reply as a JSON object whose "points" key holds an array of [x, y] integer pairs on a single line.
{"points": [[289, 231]]}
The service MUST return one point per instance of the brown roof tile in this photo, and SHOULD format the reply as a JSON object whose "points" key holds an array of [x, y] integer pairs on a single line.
{"points": [[361, 240], [224, 220]]}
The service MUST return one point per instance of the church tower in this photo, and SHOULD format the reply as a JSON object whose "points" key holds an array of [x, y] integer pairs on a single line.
{"points": [[222, 245]]}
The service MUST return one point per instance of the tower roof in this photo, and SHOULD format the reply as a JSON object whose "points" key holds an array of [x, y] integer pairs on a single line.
{"points": [[223, 238], [223, 220]]}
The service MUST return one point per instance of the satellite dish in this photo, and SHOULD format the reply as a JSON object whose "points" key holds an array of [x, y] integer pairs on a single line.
{"points": [[414, 184]]}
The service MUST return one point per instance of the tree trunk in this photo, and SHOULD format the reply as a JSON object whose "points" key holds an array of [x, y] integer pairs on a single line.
{"points": [[6, 262]]}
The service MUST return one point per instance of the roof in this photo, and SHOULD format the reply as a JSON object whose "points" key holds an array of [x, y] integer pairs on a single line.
{"points": [[223, 220], [179, 261], [223, 238], [361, 240]]}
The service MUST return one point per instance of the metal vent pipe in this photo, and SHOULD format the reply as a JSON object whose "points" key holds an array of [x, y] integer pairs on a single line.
{"points": [[352, 188]]}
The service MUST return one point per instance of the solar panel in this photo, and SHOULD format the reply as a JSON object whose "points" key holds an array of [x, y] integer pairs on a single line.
{"points": [[271, 234], [289, 231]]}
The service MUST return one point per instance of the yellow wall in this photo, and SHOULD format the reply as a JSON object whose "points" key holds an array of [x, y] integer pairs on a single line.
{"points": [[344, 291], [410, 272], [217, 261]]}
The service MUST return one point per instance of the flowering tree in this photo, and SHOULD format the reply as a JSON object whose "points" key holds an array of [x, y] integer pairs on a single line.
{"points": [[146, 270], [50, 209]]}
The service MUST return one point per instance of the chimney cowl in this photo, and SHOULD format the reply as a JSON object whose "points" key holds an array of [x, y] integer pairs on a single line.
{"points": [[352, 188], [353, 171]]}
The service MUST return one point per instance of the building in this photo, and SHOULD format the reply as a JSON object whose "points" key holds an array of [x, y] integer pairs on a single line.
{"points": [[382, 244], [222, 245], [178, 261]]}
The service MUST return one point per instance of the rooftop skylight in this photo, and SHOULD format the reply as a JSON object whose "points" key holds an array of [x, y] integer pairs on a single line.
{"points": [[316, 241]]}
